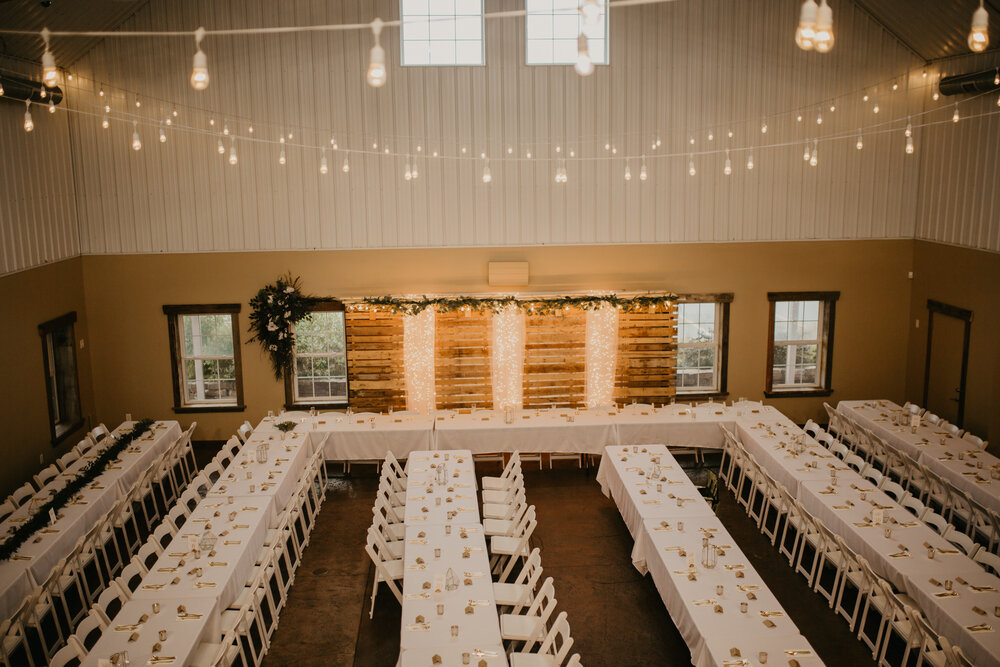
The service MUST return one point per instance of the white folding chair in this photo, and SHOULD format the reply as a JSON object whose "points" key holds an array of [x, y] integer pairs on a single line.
{"points": [[511, 548], [975, 440], [900, 624], [22, 494], [506, 495], [830, 569], [963, 542], [935, 650], [244, 431], [519, 593], [67, 459], [84, 445], [530, 627], [89, 632], [99, 432], [46, 475], [110, 602], [893, 489], [852, 587], [387, 569], [69, 655], [874, 611], [506, 477], [989, 561], [812, 428], [931, 418], [914, 506], [553, 649], [7, 508], [501, 515], [938, 523]]}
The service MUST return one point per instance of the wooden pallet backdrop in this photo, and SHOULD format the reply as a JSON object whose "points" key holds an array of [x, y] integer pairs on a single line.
{"points": [[555, 359], [647, 357], [463, 375], [375, 361]]}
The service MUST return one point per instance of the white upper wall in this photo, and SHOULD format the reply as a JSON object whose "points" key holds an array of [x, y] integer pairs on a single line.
{"points": [[676, 68]]}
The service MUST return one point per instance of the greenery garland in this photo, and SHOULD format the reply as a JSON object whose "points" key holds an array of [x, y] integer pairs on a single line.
{"points": [[273, 312], [60, 498], [532, 306]]}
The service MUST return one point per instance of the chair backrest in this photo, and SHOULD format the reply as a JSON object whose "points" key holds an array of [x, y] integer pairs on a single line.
{"points": [[811, 427], [130, 578], [912, 408], [164, 534], [201, 484], [937, 522], [962, 541], [22, 493], [90, 629], [148, 554], [931, 418], [855, 462], [873, 475], [67, 459], [84, 445], [110, 602], [69, 655], [557, 642], [541, 609], [574, 661], [893, 489], [99, 432], [46, 475], [213, 471], [7, 508], [974, 439], [989, 559], [244, 431], [384, 507], [177, 516]]}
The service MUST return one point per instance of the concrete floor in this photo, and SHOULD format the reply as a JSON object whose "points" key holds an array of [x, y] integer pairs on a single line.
{"points": [[616, 615]]}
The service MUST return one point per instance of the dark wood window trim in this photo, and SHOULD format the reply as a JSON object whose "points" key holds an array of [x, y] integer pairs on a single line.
{"points": [[965, 316], [725, 299], [290, 404], [44, 329], [829, 318], [172, 312]]}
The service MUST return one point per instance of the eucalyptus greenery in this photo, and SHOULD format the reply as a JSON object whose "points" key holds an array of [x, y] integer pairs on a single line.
{"points": [[273, 312], [60, 498], [536, 306], [285, 427]]}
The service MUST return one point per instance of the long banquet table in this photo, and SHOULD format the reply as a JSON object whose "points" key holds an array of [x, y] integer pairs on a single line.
{"points": [[444, 535], [902, 558], [36, 558], [959, 461], [669, 520]]}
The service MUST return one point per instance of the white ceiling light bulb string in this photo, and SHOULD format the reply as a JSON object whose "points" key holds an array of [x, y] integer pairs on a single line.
{"points": [[220, 147], [346, 167], [199, 68], [487, 174], [691, 170], [805, 34], [628, 171], [136, 141], [233, 158], [861, 142], [376, 75], [29, 124], [643, 174], [824, 29], [728, 169], [979, 34], [750, 160], [163, 135], [955, 117], [50, 73], [52, 105], [281, 153], [324, 168], [813, 161]]}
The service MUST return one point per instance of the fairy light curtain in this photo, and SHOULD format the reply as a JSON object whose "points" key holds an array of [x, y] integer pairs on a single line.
{"points": [[602, 355], [418, 360], [507, 360]]}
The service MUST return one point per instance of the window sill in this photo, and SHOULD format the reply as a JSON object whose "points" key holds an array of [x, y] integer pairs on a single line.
{"points": [[798, 393], [699, 396], [70, 430], [318, 406], [194, 409]]}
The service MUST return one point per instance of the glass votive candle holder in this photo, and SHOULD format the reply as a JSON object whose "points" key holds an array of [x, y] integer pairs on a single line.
{"points": [[156, 607], [744, 607], [762, 657], [466, 657], [454, 632], [163, 635], [719, 590], [437, 553], [440, 609], [447, 529], [680, 526]]}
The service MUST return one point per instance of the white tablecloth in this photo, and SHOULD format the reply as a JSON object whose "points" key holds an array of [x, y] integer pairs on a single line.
{"points": [[709, 634], [19, 577], [352, 438], [530, 431], [624, 477], [224, 574], [674, 425], [934, 448], [788, 454], [184, 633], [437, 542]]}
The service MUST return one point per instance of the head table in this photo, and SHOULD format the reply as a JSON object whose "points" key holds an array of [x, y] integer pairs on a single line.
{"points": [[34, 561]]}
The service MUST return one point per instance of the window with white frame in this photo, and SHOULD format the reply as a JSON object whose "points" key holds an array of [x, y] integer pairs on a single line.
{"points": [[320, 364], [442, 32], [699, 343], [801, 341], [552, 28], [204, 350]]}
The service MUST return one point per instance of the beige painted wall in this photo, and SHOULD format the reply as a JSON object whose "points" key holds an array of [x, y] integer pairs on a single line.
{"points": [[968, 279], [125, 295], [30, 298]]}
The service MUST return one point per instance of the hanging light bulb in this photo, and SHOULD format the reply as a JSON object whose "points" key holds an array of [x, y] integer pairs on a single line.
{"points": [[561, 175], [937, 91], [225, 129], [487, 175], [798, 118], [996, 80], [104, 120], [163, 135], [50, 73], [955, 117], [833, 107], [643, 175], [324, 168], [136, 141], [805, 35], [590, 10], [819, 117], [998, 100], [711, 136], [43, 92], [909, 146], [232, 151], [29, 124], [415, 173], [691, 170], [281, 156], [728, 168], [763, 127], [407, 173], [875, 109], [628, 172], [346, 167], [658, 142], [812, 158], [376, 58], [199, 70], [807, 152], [750, 161], [979, 35], [861, 141], [52, 106], [1, 89], [824, 28], [219, 147], [909, 128], [584, 64]]}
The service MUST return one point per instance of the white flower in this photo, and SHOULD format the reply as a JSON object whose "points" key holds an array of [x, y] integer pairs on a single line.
{"points": [[271, 326], [273, 348], [288, 314], [289, 289], [270, 298]]}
